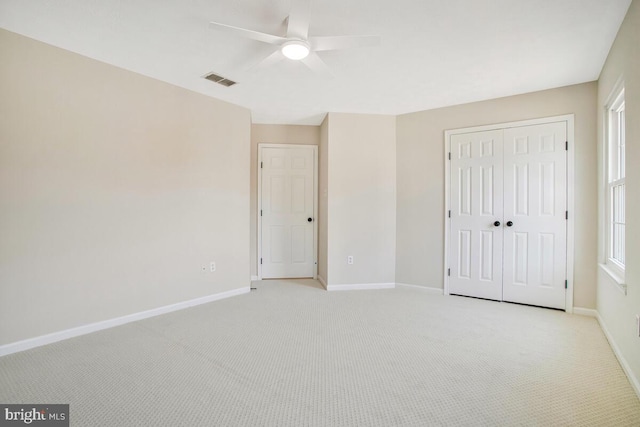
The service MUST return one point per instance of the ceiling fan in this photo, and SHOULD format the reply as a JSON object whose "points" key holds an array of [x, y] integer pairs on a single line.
{"points": [[296, 45]]}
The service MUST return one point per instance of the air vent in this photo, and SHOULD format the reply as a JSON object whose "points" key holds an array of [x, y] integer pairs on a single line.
{"points": [[219, 79]]}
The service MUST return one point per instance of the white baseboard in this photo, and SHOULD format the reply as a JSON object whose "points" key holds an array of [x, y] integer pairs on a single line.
{"points": [[254, 278], [360, 286], [105, 324], [428, 289], [635, 382], [589, 312], [322, 281]]}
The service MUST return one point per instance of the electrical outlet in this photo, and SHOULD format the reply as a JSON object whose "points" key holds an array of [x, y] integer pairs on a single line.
{"points": [[350, 260], [212, 267]]}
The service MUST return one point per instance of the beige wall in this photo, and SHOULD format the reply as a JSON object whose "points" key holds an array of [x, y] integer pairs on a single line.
{"points": [[323, 198], [114, 190], [420, 157], [617, 310], [362, 198], [272, 134]]}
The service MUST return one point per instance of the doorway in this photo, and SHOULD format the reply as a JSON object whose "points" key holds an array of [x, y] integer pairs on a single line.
{"points": [[287, 211], [508, 229]]}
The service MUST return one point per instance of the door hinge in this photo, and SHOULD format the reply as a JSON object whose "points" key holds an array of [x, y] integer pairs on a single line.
{"points": [[566, 214], [566, 145], [260, 260], [448, 272], [449, 155], [449, 213], [260, 212], [566, 284], [260, 165]]}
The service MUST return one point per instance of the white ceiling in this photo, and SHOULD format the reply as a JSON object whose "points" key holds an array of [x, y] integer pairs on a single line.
{"points": [[434, 53]]}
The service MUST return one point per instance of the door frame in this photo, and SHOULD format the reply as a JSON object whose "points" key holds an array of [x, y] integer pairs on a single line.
{"points": [[314, 149], [569, 119]]}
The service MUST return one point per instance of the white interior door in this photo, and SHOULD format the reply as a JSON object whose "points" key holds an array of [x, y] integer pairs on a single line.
{"points": [[287, 212], [508, 229], [535, 202], [476, 205]]}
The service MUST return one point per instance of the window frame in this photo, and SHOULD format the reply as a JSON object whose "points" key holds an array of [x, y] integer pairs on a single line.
{"points": [[615, 178]]}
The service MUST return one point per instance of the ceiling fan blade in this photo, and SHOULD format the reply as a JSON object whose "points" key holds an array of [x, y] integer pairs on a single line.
{"points": [[317, 65], [342, 42], [268, 61], [255, 35], [299, 17]]}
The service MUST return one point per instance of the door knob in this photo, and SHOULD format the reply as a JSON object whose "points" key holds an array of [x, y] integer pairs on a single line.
{"points": [[497, 223], [509, 223], [309, 219]]}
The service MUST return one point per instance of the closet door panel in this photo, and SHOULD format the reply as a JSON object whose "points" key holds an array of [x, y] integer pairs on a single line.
{"points": [[535, 202]]}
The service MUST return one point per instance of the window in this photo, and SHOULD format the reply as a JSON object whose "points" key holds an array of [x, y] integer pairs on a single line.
{"points": [[615, 255]]}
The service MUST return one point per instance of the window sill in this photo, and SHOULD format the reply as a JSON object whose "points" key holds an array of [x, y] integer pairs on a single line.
{"points": [[617, 279]]}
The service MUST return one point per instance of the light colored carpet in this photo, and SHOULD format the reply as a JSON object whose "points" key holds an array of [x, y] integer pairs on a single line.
{"points": [[292, 354]]}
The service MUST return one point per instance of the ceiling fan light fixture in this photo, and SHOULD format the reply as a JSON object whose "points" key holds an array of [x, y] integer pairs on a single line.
{"points": [[295, 50]]}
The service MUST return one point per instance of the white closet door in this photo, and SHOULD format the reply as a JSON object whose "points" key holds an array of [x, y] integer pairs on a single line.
{"points": [[476, 204], [535, 201], [287, 212]]}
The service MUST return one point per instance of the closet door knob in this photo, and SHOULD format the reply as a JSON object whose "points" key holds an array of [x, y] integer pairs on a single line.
{"points": [[497, 223], [509, 223], [309, 219]]}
